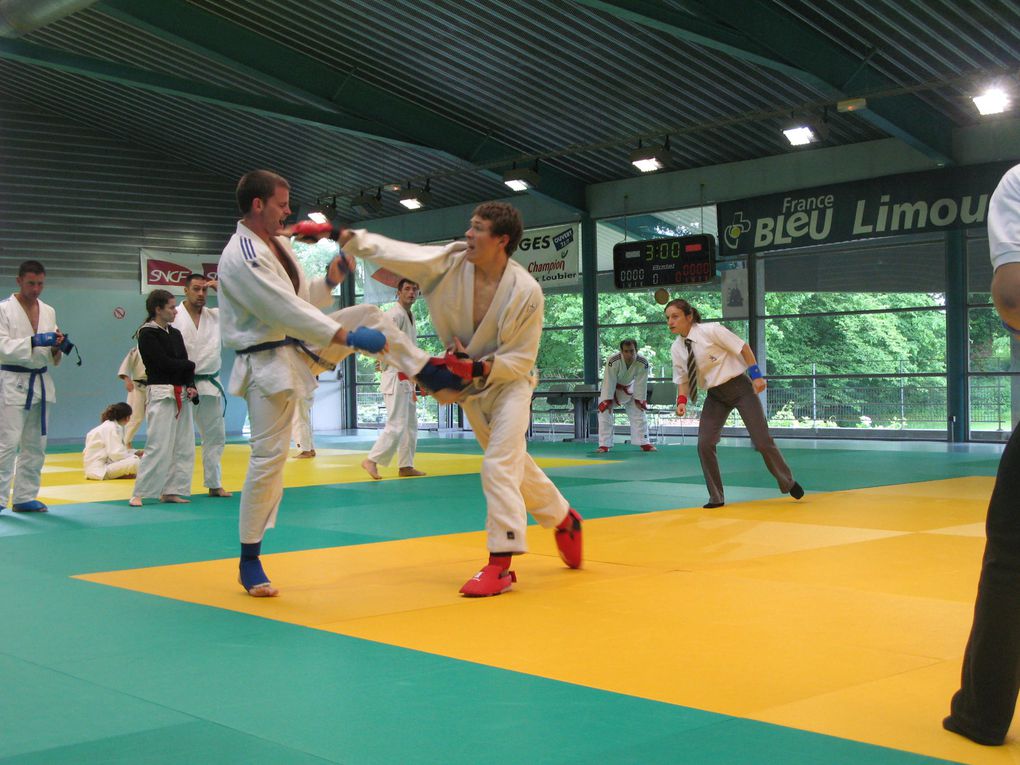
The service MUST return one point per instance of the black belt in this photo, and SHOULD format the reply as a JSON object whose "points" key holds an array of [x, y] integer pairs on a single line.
{"points": [[270, 344], [141, 382], [31, 387]]}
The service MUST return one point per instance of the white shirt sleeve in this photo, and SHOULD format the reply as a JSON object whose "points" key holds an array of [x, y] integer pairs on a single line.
{"points": [[1004, 220]]}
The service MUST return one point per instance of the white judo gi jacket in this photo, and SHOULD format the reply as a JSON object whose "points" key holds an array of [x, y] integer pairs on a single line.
{"points": [[255, 309], [104, 447], [16, 350], [634, 380], [203, 344]]}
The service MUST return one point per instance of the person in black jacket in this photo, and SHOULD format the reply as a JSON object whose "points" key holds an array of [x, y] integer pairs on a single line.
{"points": [[165, 471]]}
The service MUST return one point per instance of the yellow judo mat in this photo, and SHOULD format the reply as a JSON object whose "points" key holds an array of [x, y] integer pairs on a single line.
{"points": [[64, 479], [844, 614]]}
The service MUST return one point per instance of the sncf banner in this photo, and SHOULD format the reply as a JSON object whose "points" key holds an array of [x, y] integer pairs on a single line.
{"points": [[912, 203], [550, 254], [168, 270]]}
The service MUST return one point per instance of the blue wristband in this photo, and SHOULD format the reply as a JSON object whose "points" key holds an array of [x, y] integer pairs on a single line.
{"points": [[755, 372], [1011, 330]]}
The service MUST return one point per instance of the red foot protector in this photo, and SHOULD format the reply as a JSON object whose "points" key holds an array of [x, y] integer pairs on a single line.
{"points": [[491, 580], [568, 539]]}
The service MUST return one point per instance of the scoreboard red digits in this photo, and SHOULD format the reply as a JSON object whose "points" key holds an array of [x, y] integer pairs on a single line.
{"points": [[666, 261]]}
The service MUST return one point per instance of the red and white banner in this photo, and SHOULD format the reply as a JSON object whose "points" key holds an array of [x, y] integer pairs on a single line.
{"points": [[169, 270]]}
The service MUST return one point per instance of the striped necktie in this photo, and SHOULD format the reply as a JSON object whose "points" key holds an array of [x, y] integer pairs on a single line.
{"points": [[692, 373]]}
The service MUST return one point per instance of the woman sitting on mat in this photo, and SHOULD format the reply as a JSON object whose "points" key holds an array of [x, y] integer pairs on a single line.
{"points": [[106, 456]]}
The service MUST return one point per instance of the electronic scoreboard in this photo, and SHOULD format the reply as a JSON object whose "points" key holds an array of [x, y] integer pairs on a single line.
{"points": [[665, 261]]}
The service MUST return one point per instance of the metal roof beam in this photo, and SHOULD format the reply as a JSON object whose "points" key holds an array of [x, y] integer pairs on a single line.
{"points": [[763, 34], [49, 58], [310, 81]]}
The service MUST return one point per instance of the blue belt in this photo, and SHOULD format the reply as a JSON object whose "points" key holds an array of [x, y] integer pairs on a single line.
{"points": [[31, 387], [270, 344]]}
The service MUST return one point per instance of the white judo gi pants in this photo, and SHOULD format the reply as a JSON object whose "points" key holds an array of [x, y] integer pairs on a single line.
{"points": [[303, 436], [513, 484], [22, 452], [136, 400], [400, 435], [213, 433], [169, 456], [638, 424], [125, 467], [271, 419]]}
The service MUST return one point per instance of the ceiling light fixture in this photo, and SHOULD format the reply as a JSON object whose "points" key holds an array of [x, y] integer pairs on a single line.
{"points": [[367, 204], [521, 178], [415, 199], [800, 135], [318, 217], [993, 101], [651, 159]]}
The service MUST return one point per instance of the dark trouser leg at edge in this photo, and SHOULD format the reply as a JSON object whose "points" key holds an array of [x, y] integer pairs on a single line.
{"points": [[713, 416], [751, 412], [983, 707]]}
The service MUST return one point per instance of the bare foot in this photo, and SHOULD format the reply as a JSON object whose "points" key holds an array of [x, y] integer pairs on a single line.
{"points": [[370, 468], [219, 492], [408, 472], [135, 502], [174, 499], [305, 455]]}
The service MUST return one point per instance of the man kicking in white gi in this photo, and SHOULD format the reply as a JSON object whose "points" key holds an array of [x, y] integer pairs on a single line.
{"points": [[486, 306], [625, 383], [267, 310], [200, 327], [132, 372], [29, 343], [400, 435]]}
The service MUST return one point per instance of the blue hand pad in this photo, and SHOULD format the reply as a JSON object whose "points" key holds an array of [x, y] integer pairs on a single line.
{"points": [[366, 339]]}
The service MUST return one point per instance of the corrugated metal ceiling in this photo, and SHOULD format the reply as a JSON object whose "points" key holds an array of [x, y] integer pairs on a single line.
{"points": [[546, 77]]}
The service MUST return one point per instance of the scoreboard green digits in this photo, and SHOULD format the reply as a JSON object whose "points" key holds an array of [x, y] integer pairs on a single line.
{"points": [[665, 261]]}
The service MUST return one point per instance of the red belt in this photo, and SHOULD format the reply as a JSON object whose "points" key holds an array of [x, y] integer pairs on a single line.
{"points": [[178, 389]]}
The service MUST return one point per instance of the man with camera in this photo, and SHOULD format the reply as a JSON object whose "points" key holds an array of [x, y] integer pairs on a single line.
{"points": [[29, 342]]}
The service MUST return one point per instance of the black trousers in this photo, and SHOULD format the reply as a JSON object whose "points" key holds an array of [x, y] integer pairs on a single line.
{"points": [[991, 665], [737, 393]]}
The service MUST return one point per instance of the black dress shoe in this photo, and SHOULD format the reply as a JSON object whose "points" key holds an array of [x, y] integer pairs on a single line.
{"points": [[796, 491], [713, 505], [952, 726]]}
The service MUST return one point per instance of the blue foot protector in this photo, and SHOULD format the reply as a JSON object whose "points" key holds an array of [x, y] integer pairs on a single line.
{"points": [[34, 506], [254, 579]]}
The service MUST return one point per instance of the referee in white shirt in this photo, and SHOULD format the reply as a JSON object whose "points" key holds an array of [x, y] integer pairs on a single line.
{"points": [[982, 709], [711, 359]]}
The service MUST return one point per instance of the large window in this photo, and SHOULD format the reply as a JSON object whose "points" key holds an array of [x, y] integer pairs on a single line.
{"points": [[854, 337]]}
